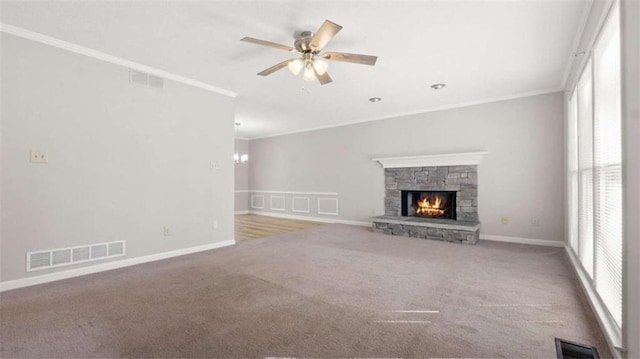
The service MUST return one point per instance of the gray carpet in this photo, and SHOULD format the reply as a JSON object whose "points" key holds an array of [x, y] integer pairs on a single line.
{"points": [[326, 292]]}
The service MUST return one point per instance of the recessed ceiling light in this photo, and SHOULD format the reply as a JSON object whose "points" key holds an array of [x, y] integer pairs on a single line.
{"points": [[375, 99], [438, 86]]}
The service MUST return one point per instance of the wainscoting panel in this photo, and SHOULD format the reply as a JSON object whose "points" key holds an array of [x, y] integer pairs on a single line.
{"points": [[257, 201], [299, 203], [277, 203], [328, 206]]}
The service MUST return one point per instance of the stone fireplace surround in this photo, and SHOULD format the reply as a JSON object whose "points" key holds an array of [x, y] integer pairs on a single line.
{"points": [[451, 172]]}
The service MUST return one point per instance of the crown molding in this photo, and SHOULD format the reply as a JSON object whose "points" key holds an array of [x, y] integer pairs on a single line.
{"points": [[449, 159], [51, 41]]}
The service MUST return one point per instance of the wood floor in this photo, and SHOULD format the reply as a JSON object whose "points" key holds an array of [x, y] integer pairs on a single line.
{"points": [[252, 226]]}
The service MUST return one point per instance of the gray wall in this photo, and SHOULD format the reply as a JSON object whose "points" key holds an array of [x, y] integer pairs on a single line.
{"points": [[242, 179], [125, 160], [521, 178]]}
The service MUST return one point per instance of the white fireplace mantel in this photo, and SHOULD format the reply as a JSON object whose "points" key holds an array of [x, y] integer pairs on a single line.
{"points": [[449, 159]]}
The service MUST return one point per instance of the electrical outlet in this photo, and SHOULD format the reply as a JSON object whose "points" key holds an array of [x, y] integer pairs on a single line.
{"points": [[215, 224], [166, 231], [504, 220], [39, 156], [536, 222], [215, 166]]}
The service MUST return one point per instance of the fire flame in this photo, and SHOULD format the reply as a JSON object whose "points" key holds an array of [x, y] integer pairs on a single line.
{"points": [[426, 208]]}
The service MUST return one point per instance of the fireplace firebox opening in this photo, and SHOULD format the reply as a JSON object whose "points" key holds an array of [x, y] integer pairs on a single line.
{"points": [[429, 204]]}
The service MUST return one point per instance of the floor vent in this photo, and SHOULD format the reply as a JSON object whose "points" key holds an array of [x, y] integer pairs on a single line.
{"points": [[138, 77], [66, 256], [568, 350]]}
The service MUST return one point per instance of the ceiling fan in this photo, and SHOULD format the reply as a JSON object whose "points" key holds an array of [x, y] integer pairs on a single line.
{"points": [[309, 46]]}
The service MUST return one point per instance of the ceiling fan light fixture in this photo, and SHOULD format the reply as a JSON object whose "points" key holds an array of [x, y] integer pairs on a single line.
{"points": [[310, 45], [295, 66], [320, 66], [308, 72]]}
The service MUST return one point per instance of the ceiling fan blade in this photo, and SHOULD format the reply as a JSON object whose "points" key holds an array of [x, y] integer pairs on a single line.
{"points": [[326, 32], [268, 43], [275, 68], [353, 58], [324, 78]]}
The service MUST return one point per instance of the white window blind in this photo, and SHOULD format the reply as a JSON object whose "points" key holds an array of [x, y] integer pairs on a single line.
{"points": [[585, 169], [572, 168], [608, 167]]}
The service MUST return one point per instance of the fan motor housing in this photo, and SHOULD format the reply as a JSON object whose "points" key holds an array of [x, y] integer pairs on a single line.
{"points": [[302, 43]]}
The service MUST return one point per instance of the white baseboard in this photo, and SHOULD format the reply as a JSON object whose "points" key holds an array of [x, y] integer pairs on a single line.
{"points": [[488, 237], [310, 218], [520, 240], [52, 277], [241, 212]]}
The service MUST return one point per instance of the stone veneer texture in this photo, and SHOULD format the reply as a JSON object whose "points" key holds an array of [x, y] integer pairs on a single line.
{"points": [[440, 234], [462, 179]]}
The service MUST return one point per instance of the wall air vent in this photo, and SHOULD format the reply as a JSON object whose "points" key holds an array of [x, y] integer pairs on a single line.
{"points": [[39, 260], [116, 248], [98, 251], [569, 350], [60, 257], [142, 78], [81, 253], [138, 77], [155, 81], [54, 258]]}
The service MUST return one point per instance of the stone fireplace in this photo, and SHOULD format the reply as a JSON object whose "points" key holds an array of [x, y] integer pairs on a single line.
{"points": [[431, 197]]}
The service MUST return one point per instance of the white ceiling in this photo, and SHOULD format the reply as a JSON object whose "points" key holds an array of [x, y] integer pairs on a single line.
{"points": [[482, 50]]}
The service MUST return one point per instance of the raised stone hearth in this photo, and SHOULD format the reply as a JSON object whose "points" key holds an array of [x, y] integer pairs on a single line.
{"points": [[443, 230], [453, 173]]}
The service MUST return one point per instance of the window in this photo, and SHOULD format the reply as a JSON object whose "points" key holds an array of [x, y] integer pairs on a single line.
{"points": [[607, 159], [572, 168], [594, 169], [585, 169]]}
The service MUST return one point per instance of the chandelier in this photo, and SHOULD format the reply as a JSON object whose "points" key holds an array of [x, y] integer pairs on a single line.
{"points": [[238, 158]]}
